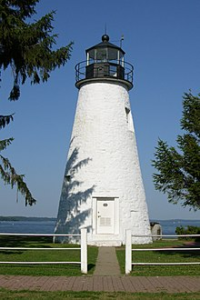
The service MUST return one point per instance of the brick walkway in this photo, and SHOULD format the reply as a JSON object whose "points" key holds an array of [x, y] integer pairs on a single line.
{"points": [[102, 283]]}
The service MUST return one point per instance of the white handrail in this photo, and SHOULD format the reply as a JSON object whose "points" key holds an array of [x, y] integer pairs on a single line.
{"points": [[167, 264], [82, 248], [165, 249], [39, 262], [129, 250], [38, 234], [166, 235], [34, 248]]}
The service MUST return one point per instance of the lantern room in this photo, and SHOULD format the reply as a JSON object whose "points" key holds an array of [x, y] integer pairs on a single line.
{"points": [[105, 51], [104, 61]]}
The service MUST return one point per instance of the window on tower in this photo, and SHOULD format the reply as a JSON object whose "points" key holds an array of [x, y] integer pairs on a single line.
{"points": [[129, 119]]}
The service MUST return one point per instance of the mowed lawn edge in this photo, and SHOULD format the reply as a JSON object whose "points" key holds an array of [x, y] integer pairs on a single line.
{"points": [[163, 257], [49, 255], [34, 295]]}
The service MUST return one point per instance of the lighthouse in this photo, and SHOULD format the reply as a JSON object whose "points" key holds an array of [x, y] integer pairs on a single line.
{"points": [[102, 188]]}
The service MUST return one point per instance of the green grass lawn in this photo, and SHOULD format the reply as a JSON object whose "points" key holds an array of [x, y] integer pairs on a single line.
{"points": [[42, 255], [163, 257], [35, 295]]}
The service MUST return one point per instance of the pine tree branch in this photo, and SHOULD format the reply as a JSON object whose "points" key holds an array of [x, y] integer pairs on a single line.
{"points": [[28, 47], [5, 143], [10, 177], [5, 120]]}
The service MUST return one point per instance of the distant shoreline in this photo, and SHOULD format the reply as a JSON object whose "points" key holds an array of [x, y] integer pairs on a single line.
{"points": [[39, 219], [16, 218]]}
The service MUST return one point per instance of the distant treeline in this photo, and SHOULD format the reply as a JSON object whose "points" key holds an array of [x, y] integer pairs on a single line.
{"points": [[39, 219]]}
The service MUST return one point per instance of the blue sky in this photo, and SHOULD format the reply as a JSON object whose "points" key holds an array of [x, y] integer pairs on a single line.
{"points": [[161, 40]]}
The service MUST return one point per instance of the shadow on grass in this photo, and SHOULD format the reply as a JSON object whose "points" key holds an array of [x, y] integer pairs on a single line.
{"points": [[38, 270], [24, 241], [185, 253], [91, 267]]}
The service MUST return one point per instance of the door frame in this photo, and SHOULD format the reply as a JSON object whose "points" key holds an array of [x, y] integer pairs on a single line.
{"points": [[95, 215]]}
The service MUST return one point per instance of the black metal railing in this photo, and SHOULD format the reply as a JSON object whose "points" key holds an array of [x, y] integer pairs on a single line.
{"points": [[104, 69]]}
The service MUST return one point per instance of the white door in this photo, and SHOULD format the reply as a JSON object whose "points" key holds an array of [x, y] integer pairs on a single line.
{"points": [[105, 216]]}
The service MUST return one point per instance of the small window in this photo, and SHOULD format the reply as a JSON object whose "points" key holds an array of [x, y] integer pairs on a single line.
{"points": [[129, 119], [127, 110]]}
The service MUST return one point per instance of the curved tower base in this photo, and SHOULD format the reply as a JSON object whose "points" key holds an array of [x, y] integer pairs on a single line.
{"points": [[102, 188]]}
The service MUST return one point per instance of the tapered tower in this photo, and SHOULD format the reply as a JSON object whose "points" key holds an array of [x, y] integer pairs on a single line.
{"points": [[103, 188]]}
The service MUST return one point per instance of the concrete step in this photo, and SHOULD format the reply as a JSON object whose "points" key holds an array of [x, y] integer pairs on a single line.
{"points": [[105, 243]]}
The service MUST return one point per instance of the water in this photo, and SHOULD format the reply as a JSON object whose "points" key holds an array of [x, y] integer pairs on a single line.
{"points": [[47, 226], [27, 226], [169, 226]]}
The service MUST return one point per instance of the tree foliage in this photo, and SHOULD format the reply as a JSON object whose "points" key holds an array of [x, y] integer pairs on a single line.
{"points": [[5, 120], [179, 170], [27, 47]]}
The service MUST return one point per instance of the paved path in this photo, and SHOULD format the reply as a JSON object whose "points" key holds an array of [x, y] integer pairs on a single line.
{"points": [[107, 263], [103, 283]]}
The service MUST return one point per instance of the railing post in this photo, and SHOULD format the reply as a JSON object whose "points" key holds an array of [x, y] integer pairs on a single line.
{"points": [[128, 252], [84, 268]]}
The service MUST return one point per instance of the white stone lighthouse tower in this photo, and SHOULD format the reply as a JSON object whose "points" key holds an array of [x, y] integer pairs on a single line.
{"points": [[103, 188]]}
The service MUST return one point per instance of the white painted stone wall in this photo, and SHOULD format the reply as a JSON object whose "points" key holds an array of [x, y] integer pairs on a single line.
{"points": [[103, 162]]}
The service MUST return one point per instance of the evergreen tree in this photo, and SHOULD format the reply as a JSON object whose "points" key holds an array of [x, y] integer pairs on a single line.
{"points": [[179, 171], [28, 48]]}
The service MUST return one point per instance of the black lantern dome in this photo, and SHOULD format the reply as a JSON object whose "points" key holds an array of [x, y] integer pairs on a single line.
{"points": [[105, 51], [104, 61]]}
